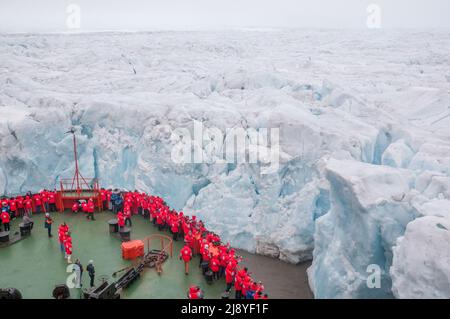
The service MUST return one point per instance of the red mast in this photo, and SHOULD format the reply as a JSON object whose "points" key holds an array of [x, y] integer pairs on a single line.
{"points": [[77, 176], [77, 188]]}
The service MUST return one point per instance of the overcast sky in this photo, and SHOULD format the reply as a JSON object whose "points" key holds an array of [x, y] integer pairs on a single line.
{"points": [[51, 15]]}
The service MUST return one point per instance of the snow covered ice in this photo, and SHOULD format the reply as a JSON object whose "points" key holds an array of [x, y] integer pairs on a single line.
{"points": [[364, 121], [370, 209], [422, 258]]}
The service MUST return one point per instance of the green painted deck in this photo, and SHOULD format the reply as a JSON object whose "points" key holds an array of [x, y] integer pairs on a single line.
{"points": [[36, 264]]}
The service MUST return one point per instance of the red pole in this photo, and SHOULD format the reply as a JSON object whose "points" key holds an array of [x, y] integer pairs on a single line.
{"points": [[76, 162]]}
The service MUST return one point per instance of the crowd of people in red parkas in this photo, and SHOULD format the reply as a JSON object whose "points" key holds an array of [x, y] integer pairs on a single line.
{"points": [[217, 260]]}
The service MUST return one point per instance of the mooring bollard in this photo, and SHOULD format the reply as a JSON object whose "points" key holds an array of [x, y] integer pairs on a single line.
{"points": [[4, 236], [125, 234], [209, 276], [113, 226], [25, 229]]}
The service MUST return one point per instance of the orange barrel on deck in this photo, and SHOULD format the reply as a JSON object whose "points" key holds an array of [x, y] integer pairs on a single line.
{"points": [[132, 249]]}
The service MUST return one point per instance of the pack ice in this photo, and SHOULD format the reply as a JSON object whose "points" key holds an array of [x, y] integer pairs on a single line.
{"points": [[364, 118]]}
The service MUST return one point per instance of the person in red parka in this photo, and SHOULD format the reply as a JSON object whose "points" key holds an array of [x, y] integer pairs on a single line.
{"points": [[120, 220], [196, 243], [160, 220], [104, 197], [84, 207], [62, 230], [230, 273], [52, 201], [175, 228], [203, 245], [246, 286], [205, 257], [186, 255], [243, 273], [4, 216], [195, 293], [38, 203], [90, 209], [75, 207], [238, 287], [44, 197], [20, 207], [185, 226], [28, 206], [188, 240], [258, 287], [223, 259], [68, 247], [13, 207], [214, 265], [144, 205], [127, 213]]}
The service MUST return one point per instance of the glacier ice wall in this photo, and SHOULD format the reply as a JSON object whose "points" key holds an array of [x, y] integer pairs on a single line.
{"points": [[336, 98], [370, 209]]}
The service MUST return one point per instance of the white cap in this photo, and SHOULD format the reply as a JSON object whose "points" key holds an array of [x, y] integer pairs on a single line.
{"points": [[91, 261]]}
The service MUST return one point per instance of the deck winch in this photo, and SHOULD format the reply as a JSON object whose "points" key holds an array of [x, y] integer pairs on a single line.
{"points": [[151, 259]]}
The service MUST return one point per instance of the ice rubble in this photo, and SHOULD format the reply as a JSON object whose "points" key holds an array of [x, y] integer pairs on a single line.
{"points": [[364, 133], [421, 260], [397, 154]]}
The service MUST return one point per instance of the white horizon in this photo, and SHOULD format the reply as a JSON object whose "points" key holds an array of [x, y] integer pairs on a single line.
{"points": [[25, 16]]}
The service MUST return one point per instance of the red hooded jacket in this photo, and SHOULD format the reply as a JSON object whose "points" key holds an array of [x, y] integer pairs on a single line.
{"points": [[186, 253]]}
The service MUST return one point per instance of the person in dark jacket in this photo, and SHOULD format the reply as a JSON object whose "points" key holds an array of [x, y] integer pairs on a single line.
{"points": [[91, 270], [48, 224], [116, 200], [119, 202]]}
